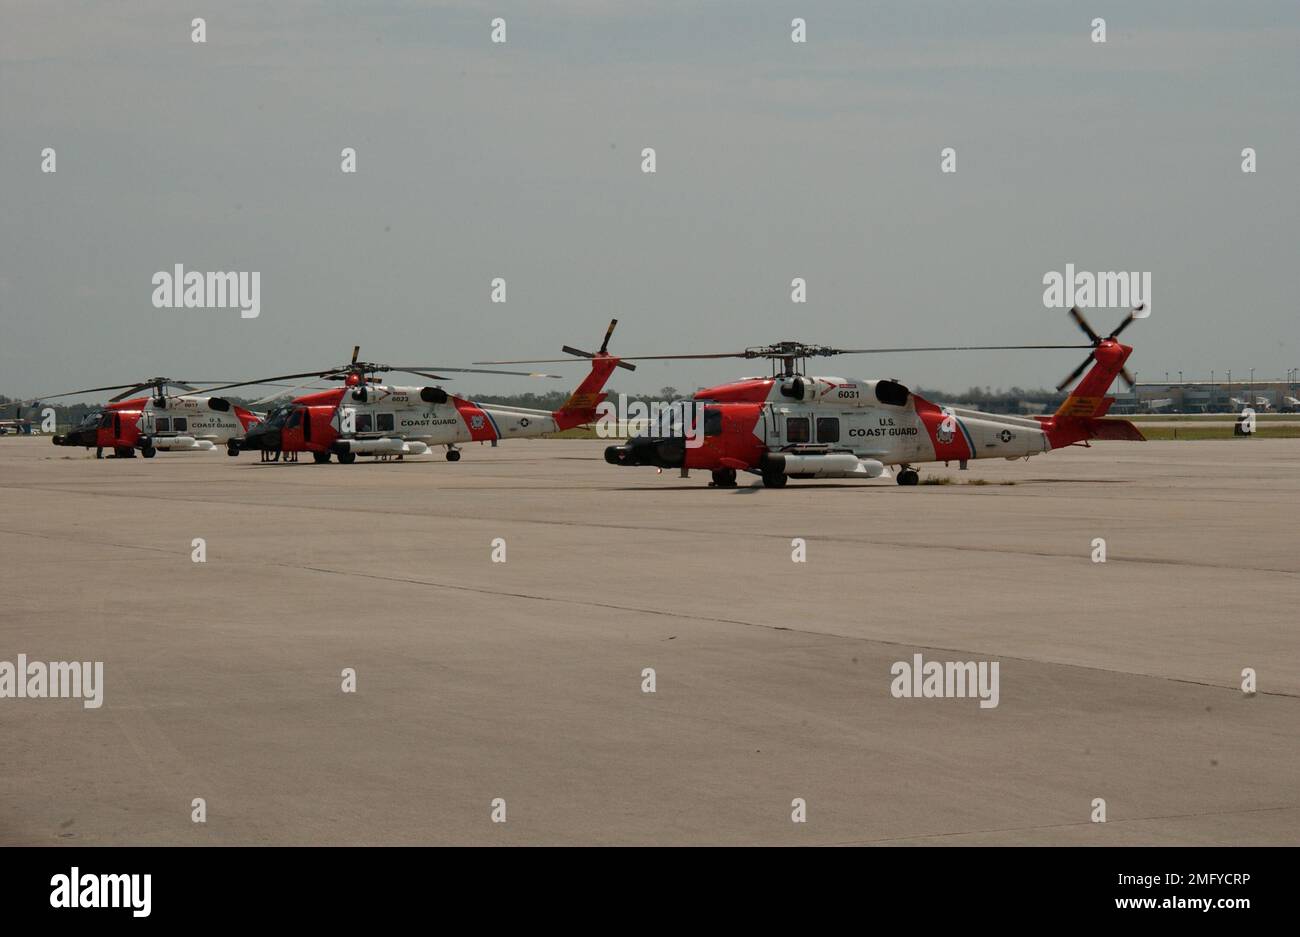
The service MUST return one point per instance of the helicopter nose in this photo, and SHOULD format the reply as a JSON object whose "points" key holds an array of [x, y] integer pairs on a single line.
{"points": [[75, 438], [663, 452], [261, 438]]}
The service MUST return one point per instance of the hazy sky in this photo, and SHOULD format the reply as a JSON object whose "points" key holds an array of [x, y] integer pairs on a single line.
{"points": [[522, 160]]}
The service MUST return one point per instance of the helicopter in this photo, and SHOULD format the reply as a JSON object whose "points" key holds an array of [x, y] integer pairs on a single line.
{"points": [[190, 421], [366, 417], [791, 425]]}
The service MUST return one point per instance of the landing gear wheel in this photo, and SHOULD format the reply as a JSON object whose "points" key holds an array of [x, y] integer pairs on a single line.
{"points": [[320, 458], [148, 452], [908, 477], [774, 479], [453, 455], [124, 452], [724, 478], [347, 458], [232, 452]]}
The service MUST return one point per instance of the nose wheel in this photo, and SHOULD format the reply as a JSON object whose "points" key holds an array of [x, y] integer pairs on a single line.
{"points": [[453, 454]]}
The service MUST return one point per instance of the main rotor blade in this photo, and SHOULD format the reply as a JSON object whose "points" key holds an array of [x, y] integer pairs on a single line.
{"points": [[880, 351], [268, 380], [428, 374], [291, 393], [129, 393], [725, 354], [476, 371], [795, 354], [88, 390], [587, 354]]}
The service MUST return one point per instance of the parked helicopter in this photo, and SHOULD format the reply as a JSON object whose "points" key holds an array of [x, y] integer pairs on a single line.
{"points": [[160, 422], [365, 416], [790, 425]]}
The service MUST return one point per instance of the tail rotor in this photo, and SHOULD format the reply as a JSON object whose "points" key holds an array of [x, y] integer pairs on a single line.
{"points": [[604, 348], [1097, 340]]}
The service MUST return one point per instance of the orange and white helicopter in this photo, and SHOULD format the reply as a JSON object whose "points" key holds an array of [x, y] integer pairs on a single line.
{"points": [[365, 416], [791, 425], [191, 421]]}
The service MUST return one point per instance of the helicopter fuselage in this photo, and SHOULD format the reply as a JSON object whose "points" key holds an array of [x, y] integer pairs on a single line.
{"points": [[792, 426], [163, 424], [382, 420]]}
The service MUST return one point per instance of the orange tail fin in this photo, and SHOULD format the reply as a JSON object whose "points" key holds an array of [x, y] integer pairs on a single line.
{"points": [[1089, 398], [581, 406]]}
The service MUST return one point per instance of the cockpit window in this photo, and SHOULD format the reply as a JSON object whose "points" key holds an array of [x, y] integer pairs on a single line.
{"points": [[712, 421], [106, 419], [90, 420], [278, 417], [677, 419]]}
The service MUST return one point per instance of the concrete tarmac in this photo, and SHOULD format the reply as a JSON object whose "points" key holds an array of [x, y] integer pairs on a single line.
{"points": [[522, 680]]}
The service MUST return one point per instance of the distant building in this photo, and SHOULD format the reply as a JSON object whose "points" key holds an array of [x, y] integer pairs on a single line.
{"points": [[1217, 396]]}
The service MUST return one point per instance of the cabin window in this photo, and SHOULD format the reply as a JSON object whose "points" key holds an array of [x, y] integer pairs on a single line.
{"points": [[384, 422], [365, 422], [828, 429], [163, 424], [796, 429], [712, 421], [180, 424]]}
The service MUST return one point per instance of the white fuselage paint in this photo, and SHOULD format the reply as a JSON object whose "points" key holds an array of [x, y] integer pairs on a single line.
{"points": [[401, 413], [892, 435], [188, 423]]}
